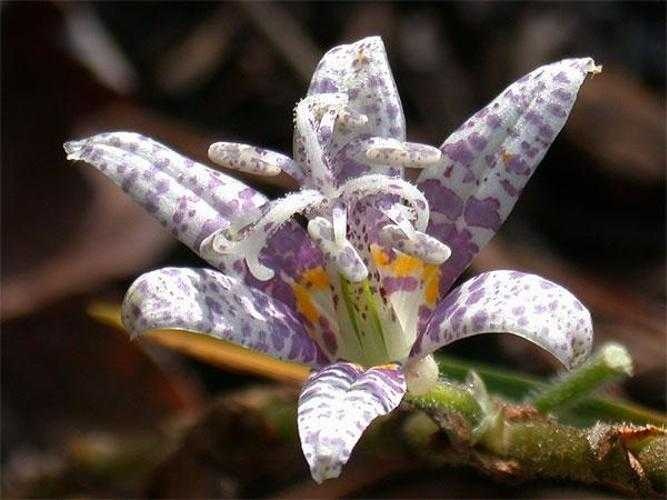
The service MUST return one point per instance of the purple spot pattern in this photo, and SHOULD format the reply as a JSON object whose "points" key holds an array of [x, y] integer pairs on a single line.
{"points": [[253, 159], [337, 404], [361, 70], [193, 201], [209, 302], [489, 159], [512, 302], [353, 105]]}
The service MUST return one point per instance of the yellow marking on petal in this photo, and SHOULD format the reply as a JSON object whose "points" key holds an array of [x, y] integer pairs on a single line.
{"points": [[506, 157], [304, 303], [406, 265], [431, 279], [380, 257], [316, 278]]}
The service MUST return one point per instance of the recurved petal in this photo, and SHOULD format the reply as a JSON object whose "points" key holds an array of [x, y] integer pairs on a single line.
{"points": [[208, 302], [361, 70], [336, 405], [509, 301], [489, 159], [189, 199], [194, 201]]}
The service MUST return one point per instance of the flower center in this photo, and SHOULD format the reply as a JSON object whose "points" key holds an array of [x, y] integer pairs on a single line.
{"points": [[369, 329]]}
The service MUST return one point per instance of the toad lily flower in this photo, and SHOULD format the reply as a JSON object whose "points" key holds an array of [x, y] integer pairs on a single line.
{"points": [[362, 295]]}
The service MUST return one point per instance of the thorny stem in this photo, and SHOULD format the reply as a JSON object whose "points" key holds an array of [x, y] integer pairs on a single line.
{"points": [[611, 362]]}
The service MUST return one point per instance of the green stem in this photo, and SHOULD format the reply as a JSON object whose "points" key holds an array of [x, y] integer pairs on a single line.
{"points": [[449, 397], [610, 363], [522, 443], [519, 387]]}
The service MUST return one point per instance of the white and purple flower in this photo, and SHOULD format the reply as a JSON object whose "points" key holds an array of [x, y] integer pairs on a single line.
{"points": [[363, 294]]}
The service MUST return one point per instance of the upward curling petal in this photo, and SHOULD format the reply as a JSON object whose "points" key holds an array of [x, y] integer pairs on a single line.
{"points": [[207, 302], [489, 159], [512, 302], [194, 202], [191, 200]]}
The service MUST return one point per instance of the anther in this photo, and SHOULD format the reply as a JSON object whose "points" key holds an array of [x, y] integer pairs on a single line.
{"points": [[245, 158], [382, 151], [420, 245]]}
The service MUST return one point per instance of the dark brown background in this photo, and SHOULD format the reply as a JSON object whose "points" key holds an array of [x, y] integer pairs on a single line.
{"points": [[592, 218]]}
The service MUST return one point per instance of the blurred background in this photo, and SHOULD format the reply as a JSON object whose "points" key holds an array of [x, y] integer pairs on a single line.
{"points": [[85, 412]]}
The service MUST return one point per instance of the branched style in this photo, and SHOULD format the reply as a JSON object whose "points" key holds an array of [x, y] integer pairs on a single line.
{"points": [[362, 294]]}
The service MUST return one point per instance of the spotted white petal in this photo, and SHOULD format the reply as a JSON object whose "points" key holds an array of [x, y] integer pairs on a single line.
{"points": [[188, 198], [208, 302], [361, 71], [489, 159], [336, 405], [513, 302]]}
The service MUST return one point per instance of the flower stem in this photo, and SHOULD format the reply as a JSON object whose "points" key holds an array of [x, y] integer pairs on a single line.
{"points": [[449, 397], [522, 443], [518, 387], [611, 362]]}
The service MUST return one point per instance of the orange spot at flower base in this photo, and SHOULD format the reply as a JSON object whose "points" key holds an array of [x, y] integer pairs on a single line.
{"points": [[380, 257], [406, 265], [316, 278], [304, 303]]}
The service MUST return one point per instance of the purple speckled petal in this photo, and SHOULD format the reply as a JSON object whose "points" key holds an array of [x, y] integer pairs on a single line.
{"points": [[489, 159], [188, 198], [208, 302], [361, 71], [336, 405], [513, 302], [194, 201]]}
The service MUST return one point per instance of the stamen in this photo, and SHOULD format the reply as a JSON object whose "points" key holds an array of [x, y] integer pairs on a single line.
{"points": [[420, 245], [241, 157], [339, 217], [401, 215], [350, 119], [395, 153], [314, 159], [253, 160], [248, 239], [337, 250], [378, 184]]}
